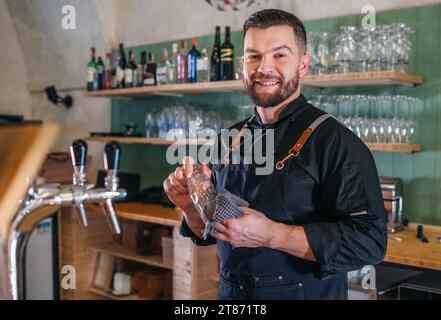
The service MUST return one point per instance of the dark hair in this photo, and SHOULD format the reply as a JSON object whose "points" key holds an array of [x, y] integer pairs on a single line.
{"points": [[273, 17]]}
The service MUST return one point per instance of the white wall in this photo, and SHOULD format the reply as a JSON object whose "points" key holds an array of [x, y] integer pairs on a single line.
{"points": [[14, 96]]}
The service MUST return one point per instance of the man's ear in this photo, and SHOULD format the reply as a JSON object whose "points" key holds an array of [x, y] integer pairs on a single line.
{"points": [[305, 62]]}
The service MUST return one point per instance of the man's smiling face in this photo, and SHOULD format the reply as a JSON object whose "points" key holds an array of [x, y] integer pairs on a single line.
{"points": [[271, 64]]}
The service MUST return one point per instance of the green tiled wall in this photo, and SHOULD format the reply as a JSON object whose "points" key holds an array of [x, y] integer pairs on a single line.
{"points": [[421, 172]]}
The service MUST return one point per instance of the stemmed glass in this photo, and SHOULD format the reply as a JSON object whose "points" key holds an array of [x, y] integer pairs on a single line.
{"points": [[348, 48], [312, 49], [366, 50], [322, 51]]}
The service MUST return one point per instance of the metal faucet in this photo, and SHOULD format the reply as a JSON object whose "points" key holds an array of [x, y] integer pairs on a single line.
{"points": [[29, 216]]}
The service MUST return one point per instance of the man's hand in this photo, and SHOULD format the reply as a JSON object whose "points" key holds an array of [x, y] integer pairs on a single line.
{"points": [[175, 186], [250, 230], [254, 230]]}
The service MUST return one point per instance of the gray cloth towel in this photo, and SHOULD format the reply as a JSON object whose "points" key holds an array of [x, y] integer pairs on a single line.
{"points": [[226, 207]]}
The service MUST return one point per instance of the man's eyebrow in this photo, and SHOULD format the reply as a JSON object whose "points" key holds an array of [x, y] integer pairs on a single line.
{"points": [[282, 47], [252, 50], [272, 50]]}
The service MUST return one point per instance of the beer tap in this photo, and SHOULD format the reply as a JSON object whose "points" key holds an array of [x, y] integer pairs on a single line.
{"points": [[38, 196], [112, 156], [78, 152]]}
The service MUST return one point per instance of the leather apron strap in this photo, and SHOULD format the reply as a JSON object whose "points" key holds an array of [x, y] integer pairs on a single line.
{"points": [[295, 150]]}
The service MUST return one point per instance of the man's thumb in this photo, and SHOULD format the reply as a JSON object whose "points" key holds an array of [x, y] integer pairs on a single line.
{"points": [[188, 164]]}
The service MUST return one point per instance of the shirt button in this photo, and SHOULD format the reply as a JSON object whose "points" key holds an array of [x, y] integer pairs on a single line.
{"points": [[241, 287]]}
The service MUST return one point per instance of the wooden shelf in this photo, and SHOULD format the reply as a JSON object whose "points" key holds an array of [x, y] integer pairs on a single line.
{"points": [[117, 250], [384, 147], [144, 140], [394, 147], [379, 78], [109, 295], [173, 89]]}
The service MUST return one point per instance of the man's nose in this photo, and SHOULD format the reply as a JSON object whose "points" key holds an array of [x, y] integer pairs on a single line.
{"points": [[266, 65]]}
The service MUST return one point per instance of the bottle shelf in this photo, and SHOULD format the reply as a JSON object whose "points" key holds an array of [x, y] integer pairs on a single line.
{"points": [[117, 250], [173, 89], [144, 140], [318, 81], [384, 147]]}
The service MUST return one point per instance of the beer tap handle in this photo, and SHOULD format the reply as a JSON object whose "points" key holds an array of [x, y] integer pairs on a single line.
{"points": [[112, 156], [112, 219], [81, 213], [78, 151]]}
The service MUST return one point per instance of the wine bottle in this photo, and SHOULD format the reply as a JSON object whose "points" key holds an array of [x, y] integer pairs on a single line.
{"points": [[108, 72], [101, 74], [227, 57], [215, 65], [128, 71], [151, 71], [121, 66], [92, 70]]}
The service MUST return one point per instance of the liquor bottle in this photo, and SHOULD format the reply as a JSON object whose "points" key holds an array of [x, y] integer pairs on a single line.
{"points": [[142, 69], [182, 63], [128, 71], [161, 70], [203, 67], [92, 70], [101, 70], [121, 66], [150, 79], [193, 55], [135, 71], [108, 72], [227, 57], [215, 64], [173, 66]]}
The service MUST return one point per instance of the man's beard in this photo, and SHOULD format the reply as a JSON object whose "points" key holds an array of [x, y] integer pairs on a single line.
{"points": [[267, 100]]}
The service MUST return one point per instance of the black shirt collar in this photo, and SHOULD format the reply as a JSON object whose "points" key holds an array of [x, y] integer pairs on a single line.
{"points": [[291, 109]]}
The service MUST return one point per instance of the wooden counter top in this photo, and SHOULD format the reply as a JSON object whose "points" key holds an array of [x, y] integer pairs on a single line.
{"points": [[411, 251], [154, 213]]}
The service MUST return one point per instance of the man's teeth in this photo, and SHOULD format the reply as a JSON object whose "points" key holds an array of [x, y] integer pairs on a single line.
{"points": [[267, 82]]}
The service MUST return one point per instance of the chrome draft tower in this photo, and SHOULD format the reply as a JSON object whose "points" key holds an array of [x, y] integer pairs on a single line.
{"points": [[38, 196]]}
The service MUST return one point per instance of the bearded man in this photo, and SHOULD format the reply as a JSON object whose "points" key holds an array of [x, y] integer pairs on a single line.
{"points": [[319, 213]]}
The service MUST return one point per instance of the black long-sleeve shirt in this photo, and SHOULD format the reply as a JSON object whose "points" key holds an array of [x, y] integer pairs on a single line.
{"points": [[331, 189]]}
